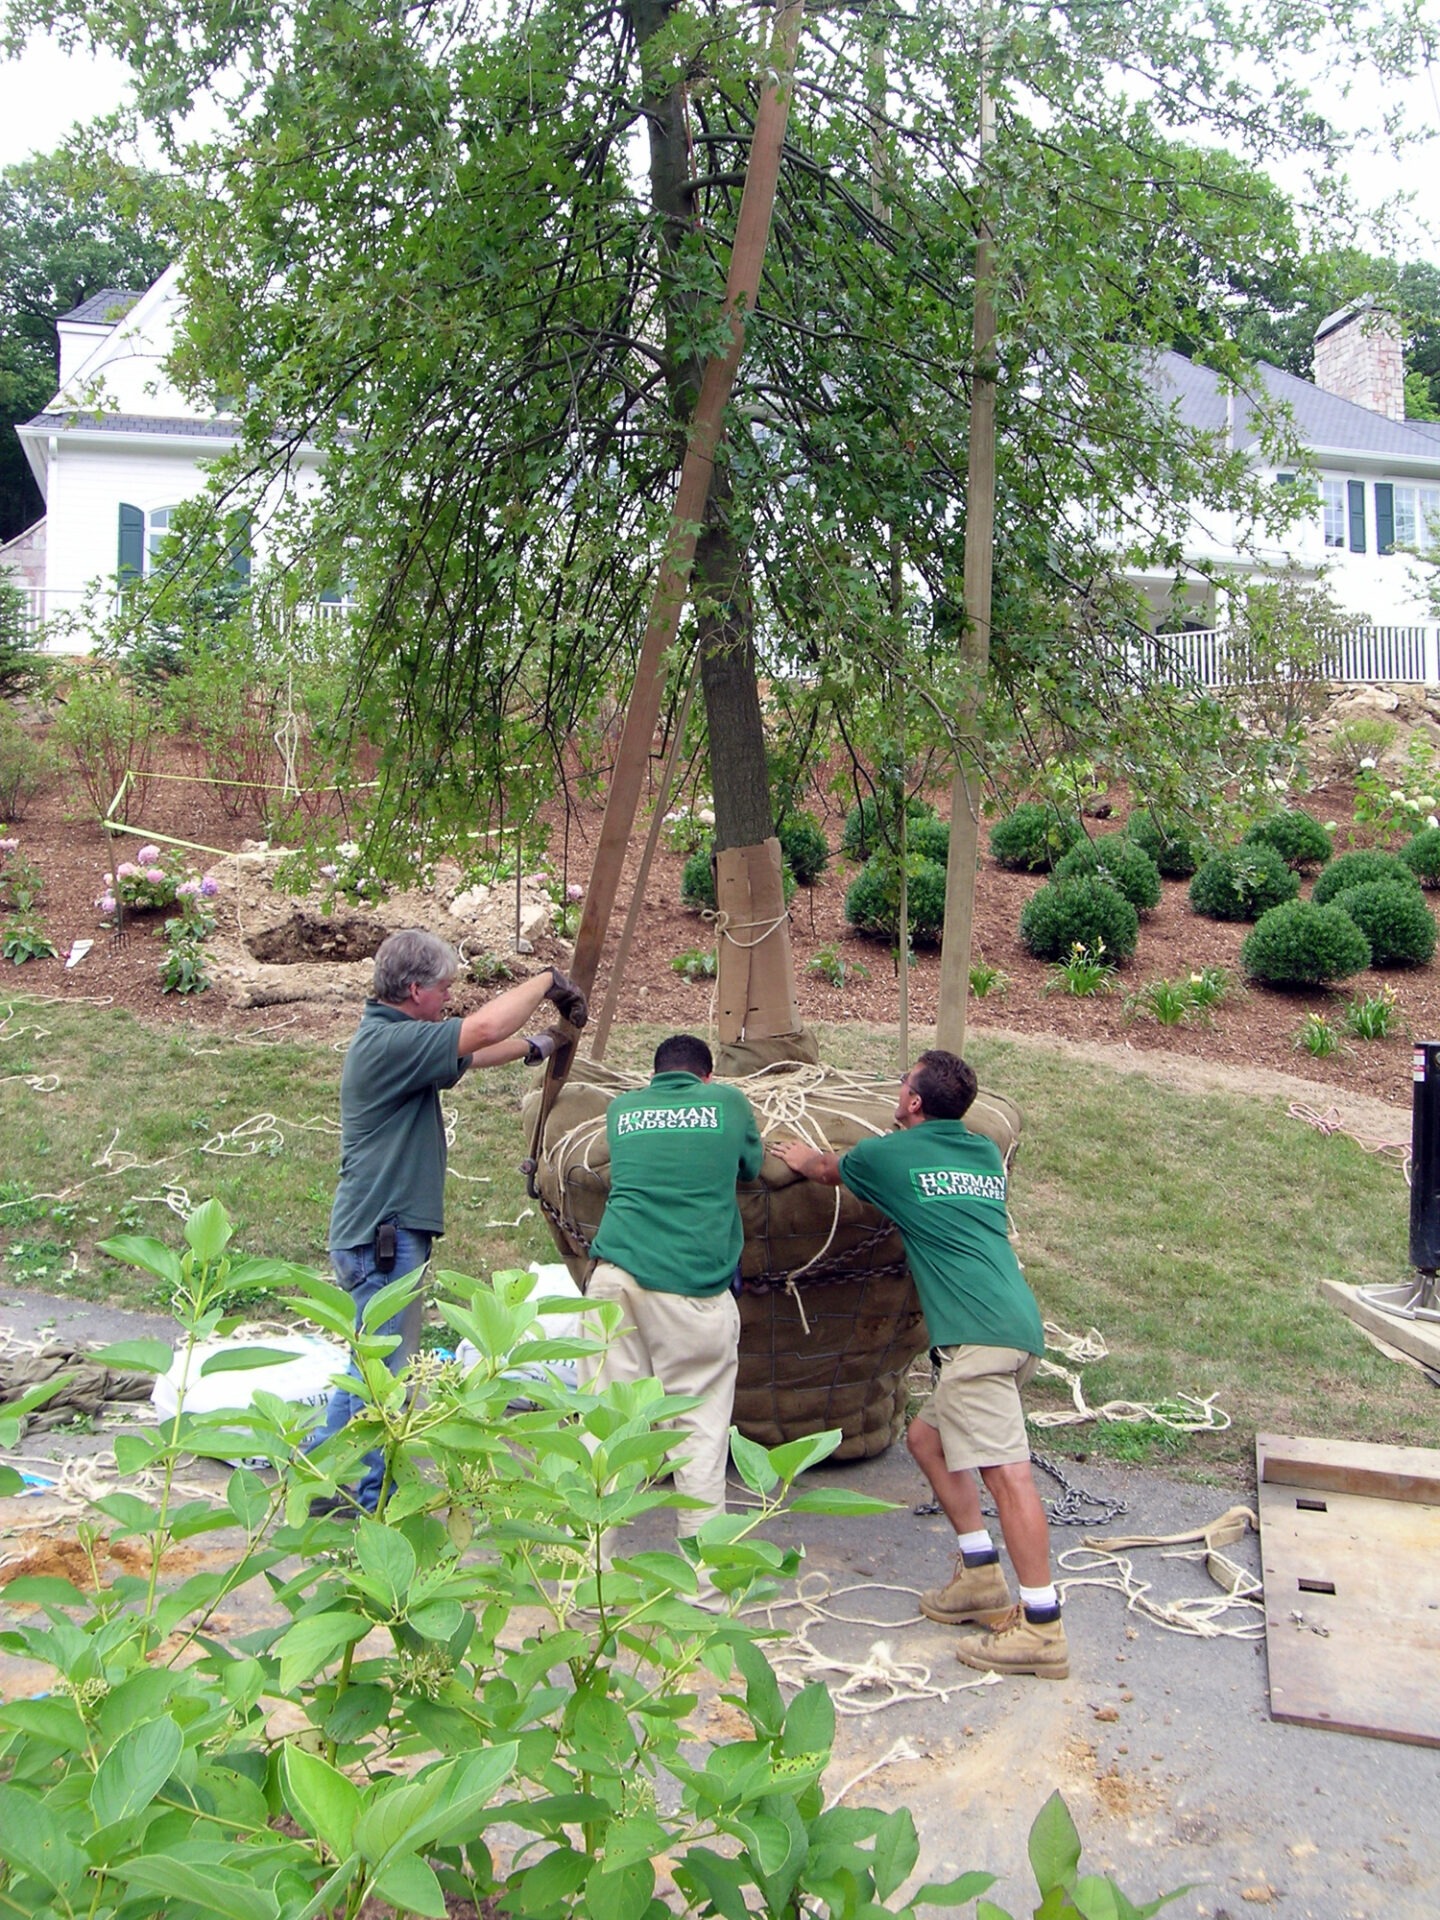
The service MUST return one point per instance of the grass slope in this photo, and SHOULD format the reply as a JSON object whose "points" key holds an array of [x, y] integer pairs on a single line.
{"points": [[1191, 1229]]}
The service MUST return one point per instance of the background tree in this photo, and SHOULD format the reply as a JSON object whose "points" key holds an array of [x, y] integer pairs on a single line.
{"points": [[480, 261], [71, 223]]}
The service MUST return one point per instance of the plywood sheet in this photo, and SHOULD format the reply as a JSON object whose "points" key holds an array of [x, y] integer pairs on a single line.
{"points": [[1352, 1585]]}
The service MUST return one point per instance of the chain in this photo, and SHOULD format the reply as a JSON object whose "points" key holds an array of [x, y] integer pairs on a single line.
{"points": [[1072, 1509]]}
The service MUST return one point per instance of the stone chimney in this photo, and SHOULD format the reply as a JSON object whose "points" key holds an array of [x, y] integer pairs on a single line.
{"points": [[1358, 357]]}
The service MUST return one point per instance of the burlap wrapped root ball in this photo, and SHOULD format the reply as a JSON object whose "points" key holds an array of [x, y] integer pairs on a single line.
{"points": [[829, 1318]]}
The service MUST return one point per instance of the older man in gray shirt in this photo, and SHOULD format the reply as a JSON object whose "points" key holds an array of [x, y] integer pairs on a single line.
{"points": [[390, 1203]]}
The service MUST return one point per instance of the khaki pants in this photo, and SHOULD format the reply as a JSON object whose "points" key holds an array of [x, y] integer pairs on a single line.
{"points": [[689, 1346]]}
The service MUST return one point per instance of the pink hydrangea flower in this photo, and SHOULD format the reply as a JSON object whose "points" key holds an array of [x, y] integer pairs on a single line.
{"points": [[147, 856], [106, 903], [574, 893], [156, 876], [8, 846], [188, 890], [209, 886], [127, 870]]}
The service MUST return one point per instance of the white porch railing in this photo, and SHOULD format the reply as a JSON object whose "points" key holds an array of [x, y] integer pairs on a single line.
{"points": [[1406, 656], [44, 610]]}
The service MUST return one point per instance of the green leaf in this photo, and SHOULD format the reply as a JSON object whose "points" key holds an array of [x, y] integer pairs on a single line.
{"points": [[1054, 1846], [320, 1797], [208, 1231], [561, 1873], [137, 1356], [134, 1514], [1095, 1898], [386, 1556], [768, 1840], [721, 1881], [242, 1359], [36, 1842], [12, 1484], [56, 1720], [809, 1722], [640, 1837], [135, 1451], [388, 1302], [763, 1702], [623, 1895], [134, 1770], [795, 1456], [752, 1463], [840, 1501], [311, 1642], [952, 1893], [46, 1590], [411, 1887], [212, 1888], [151, 1256], [897, 1848]]}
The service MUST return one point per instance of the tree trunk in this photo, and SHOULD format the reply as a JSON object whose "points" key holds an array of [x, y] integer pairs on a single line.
{"points": [[756, 971]]}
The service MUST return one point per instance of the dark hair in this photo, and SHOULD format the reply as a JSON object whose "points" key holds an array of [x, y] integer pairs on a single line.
{"points": [[945, 1084], [684, 1053]]}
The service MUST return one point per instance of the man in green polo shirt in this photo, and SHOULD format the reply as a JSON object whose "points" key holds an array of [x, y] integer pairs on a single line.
{"points": [[944, 1188], [668, 1249]]}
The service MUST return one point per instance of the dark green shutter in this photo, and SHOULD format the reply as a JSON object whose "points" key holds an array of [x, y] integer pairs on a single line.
{"points": [[132, 545], [238, 527], [1384, 517], [1356, 492]]}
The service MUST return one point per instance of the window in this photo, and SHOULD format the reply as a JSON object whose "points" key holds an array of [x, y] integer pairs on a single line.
{"points": [[1406, 524], [1333, 495], [1416, 517], [1427, 527], [157, 528]]}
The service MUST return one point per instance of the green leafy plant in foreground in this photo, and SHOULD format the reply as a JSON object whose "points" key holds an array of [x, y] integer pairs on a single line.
{"points": [[696, 963], [402, 1708], [985, 979], [25, 939], [830, 965]]}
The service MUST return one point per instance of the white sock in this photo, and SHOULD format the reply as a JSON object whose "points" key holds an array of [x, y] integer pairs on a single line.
{"points": [[975, 1542], [1042, 1599]]}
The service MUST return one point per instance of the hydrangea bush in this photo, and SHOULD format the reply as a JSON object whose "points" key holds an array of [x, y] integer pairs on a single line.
{"points": [[155, 880]]}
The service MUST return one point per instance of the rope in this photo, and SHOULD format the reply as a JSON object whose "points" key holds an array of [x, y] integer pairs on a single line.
{"points": [[1330, 1123], [723, 923], [866, 1686], [1104, 1563]]}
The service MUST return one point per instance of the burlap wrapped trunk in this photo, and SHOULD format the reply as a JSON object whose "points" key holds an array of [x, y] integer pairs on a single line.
{"points": [[830, 1321]]}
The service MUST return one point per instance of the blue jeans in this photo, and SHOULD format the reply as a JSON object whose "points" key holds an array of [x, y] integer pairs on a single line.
{"points": [[356, 1271]]}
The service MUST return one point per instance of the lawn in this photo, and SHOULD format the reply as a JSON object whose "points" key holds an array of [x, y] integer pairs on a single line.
{"points": [[1191, 1229]]}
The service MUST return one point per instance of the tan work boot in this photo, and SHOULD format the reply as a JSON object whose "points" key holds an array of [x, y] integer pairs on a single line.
{"points": [[1018, 1645], [974, 1593]]}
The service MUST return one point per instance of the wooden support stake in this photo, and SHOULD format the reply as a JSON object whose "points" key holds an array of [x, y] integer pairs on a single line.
{"points": [[975, 644]]}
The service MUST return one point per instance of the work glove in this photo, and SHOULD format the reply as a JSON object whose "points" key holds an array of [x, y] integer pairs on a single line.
{"points": [[567, 999], [540, 1046]]}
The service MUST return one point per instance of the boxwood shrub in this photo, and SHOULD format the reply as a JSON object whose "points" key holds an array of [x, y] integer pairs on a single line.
{"points": [[804, 847], [1395, 920], [1302, 945], [1120, 860], [697, 879], [1033, 837], [1359, 870], [1302, 843], [1242, 884], [862, 835], [1174, 846], [1087, 912], [872, 904], [929, 838], [1422, 856]]}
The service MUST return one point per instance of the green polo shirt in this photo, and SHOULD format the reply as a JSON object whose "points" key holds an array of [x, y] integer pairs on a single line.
{"points": [[392, 1132], [944, 1187], [677, 1148]]}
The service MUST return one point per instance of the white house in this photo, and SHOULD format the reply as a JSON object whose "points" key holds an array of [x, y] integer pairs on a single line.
{"points": [[114, 453], [119, 447], [1376, 476]]}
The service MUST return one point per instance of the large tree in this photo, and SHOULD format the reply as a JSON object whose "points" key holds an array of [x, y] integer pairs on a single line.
{"points": [[480, 258], [71, 224]]}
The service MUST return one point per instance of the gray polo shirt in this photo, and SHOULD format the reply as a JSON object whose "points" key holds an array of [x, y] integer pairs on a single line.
{"points": [[392, 1132]]}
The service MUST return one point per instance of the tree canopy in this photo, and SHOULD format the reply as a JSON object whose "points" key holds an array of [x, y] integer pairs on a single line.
{"points": [[71, 223], [479, 257]]}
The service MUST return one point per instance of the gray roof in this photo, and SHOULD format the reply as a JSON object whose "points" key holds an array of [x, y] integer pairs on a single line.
{"points": [[103, 308], [1322, 419], [93, 422]]}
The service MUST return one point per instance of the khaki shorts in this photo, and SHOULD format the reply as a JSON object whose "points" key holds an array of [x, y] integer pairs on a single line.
{"points": [[976, 1406]]}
